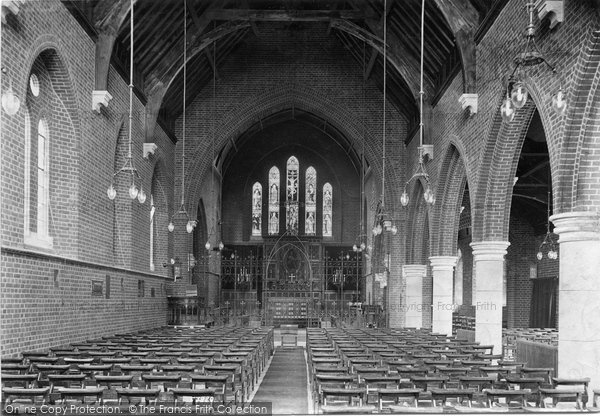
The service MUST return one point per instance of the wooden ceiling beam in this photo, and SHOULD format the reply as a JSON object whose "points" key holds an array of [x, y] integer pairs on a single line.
{"points": [[175, 55], [108, 16], [284, 15], [463, 20], [371, 64], [212, 62], [397, 54], [156, 90], [374, 52]]}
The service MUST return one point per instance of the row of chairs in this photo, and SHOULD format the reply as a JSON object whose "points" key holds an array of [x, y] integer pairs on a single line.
{"points": [[368, 370], [166, 365]]}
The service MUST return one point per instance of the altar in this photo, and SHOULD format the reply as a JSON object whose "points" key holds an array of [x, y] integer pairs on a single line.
{"points": [[295, 281]]}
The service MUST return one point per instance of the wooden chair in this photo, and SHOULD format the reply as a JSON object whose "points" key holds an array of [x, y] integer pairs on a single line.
{"points": [[161, 380], [216, 382], [113, 381], [424, 382], [195, 396], [289, 335], [556, 395], [135, 396], [494, 395], [445, 394], [532, 372], [395, 395], [349, 394], [65, 381], [12, 394], [480, 383], [25, 381], [579, 383], [81, 394], [14, 368]]}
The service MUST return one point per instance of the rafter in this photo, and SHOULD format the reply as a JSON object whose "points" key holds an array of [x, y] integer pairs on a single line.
{"points": [[374, 53], [406, 65], [358, 32], [462, 18], [174, 55], [161, 82], [212, 62]]}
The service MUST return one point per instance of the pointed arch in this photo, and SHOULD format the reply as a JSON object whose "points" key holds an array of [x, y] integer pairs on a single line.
{"points": [[451, 185]]}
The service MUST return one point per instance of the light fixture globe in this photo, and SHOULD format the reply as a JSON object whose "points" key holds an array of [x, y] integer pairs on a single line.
{"points": [[404, 199], [189, 227], [111, 192], [355, 248], [141, 197], [429, 196], [133, 191], [363, 246], [559, 103], [394, 230], [539, 255], [507, 110], [207, 245], [221, 246], [171, 227], [10, 102], [552, 255], [519, 95]]}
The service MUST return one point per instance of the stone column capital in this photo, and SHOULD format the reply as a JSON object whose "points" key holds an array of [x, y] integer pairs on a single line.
{"points": [[443, 262], [414, 270], [577, 226], [489, 250]]}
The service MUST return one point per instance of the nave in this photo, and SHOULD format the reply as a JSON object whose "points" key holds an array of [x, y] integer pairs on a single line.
{"points": [[330, 371], [395, 169]]}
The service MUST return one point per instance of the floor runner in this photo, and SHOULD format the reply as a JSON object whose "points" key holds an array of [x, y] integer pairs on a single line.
{"points": [[285, 383]]}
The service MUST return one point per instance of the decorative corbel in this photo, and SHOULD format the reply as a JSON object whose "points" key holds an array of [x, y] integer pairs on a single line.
{"points": [[99, 99], [469, 101]]}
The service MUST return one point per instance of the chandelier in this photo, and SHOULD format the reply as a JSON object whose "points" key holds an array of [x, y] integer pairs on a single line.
{"points": [[216, 222], [548, 240], [384, 219], [128, 167], [420, 173], [516, 93], [191, 224]]}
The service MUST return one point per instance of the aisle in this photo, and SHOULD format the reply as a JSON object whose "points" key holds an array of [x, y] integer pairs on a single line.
{"points": [[285, 383]]}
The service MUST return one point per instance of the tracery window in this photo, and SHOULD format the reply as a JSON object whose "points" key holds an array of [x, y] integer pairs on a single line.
{"points": [[327, 210], [291, 204], [256, 209], [274, 182], [310, 202]]}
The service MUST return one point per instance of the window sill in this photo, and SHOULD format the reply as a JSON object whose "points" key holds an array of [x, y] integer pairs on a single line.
{"points": [[38, 241]]}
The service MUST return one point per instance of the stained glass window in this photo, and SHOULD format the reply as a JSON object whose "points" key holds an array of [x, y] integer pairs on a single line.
{"points": [[310, 202], [327, 210], [274, 200], [256, 209], [291, 203]]}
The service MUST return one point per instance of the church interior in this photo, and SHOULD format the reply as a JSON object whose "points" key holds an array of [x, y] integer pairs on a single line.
{"points": [[300, 206]]}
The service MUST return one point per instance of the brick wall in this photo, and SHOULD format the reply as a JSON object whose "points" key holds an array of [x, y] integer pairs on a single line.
{"points": [[48, 301], [84, 225], [272, 147]]}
